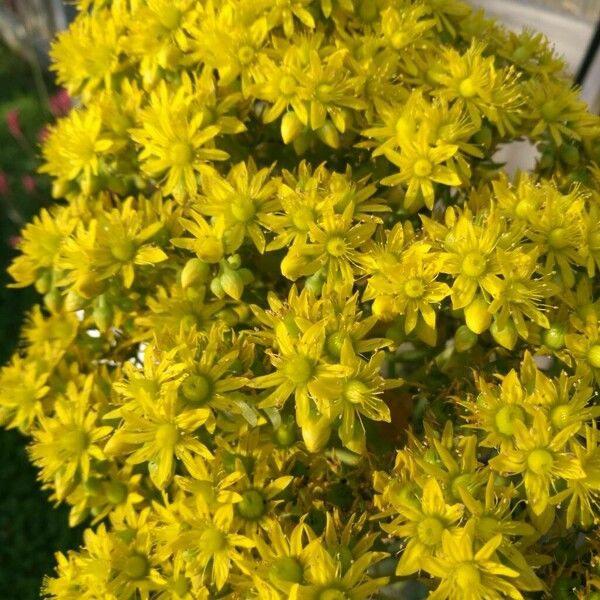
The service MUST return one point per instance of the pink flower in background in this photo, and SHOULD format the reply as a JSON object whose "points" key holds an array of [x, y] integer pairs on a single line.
{"points": [[4, 185], [29, 183], [13, 122], [14, 241], [60, 103], [42, 134]]}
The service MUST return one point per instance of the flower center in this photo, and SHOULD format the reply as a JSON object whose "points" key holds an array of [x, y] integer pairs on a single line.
{"points": [[76, 441], [467, 88], [196, 388], [400, 39], [594, 356], [302, 219], [123, 250], [170, 17], [550, 110], [422, 167], [323, 92], [474, 264], [505, 418], [334, 343], [287, 85], [286, 569], [252, 506], [136, 567], [524, 209], [245, 55], [560, 416], [487, 526], [521, 54], [467, 576], [116, 492], [355, 391], [213, 540], [299, 369], [403, 127], [367, 11], [336, 246], [414, 288], [540, 461], [332, 594], [181, 154], [243, 209], [430, 531], [166, 435], [558, 238]]}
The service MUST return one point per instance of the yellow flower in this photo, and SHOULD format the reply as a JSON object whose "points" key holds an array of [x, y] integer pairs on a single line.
{"points": [[412, 285], [360, 394], [585, 348], [329, 577], [518, 294], [40, 246], [285, 557], [299, 370], [174, 140], [334, 247], [423, 521], [65, 446], [473, 81], [158, 434], [75, 148], [242, 200], [210, 543], [115, 243], [468, 574], [23, 393], [540, 459], [470, 255], [86, 56], [229, 40], [421, 165]]}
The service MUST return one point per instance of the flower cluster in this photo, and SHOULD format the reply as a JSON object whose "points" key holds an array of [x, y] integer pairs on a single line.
{"points": [[285, 260]]}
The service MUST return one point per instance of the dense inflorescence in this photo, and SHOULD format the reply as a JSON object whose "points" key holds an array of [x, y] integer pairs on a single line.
{"points": [[301, 335]]}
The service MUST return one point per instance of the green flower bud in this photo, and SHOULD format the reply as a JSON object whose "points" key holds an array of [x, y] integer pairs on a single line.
{"points": [[216, 287], [329, 135], [464, 339], [53, 300], [44, 282], [232, 283]]}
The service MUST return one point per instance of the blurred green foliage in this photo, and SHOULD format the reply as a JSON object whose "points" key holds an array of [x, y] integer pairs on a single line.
{"points": [[31, 530]]}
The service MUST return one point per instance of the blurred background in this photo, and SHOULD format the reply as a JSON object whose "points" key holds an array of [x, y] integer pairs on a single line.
{"points": [[31, 530]]}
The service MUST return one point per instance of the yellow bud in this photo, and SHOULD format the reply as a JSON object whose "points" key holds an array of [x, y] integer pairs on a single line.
{"points": [[232, 283], [195, 271], [464, 339], [477, 316], [329, 135], [73, 301], [291, 127], [506, 337], [53, 300], [315, 432]]}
